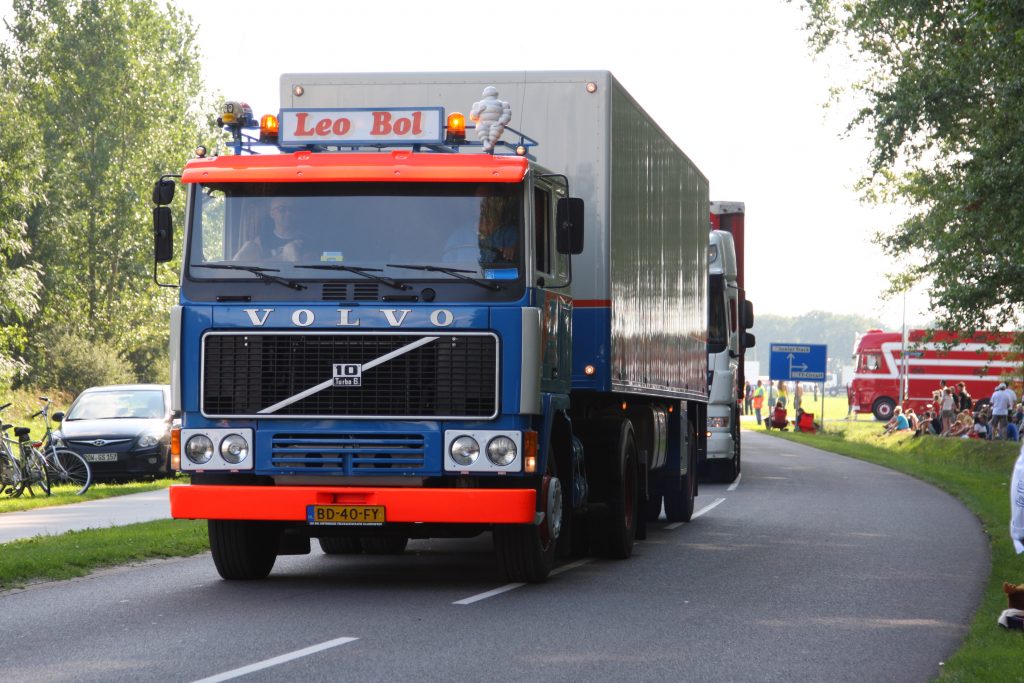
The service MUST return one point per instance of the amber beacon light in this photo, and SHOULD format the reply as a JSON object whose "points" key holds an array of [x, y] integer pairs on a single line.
{"points": [[268, 128], [456, 127]]}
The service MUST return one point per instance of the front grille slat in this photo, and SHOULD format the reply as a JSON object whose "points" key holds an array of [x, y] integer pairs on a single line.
{"points": [[453, 376], [343, 453]]}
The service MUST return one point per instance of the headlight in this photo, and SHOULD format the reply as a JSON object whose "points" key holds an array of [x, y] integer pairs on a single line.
{"points": [[501, 451], [234, 449], [199, 449], [148, 440], [465, 450], [718, 422]]}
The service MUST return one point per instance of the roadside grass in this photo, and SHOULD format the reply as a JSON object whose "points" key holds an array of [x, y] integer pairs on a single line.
{"points": [[78, 553], [978, 474], [64, 495]]}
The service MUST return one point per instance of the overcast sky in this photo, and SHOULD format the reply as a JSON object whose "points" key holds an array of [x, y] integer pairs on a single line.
{"points": [[731, 81]]}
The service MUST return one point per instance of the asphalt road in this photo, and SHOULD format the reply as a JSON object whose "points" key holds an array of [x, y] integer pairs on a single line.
{"points": [[813, 568]]}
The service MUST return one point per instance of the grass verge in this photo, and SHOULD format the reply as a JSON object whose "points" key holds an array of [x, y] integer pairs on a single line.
{"points": [[63, 495], [78, 553], [978, 474]]}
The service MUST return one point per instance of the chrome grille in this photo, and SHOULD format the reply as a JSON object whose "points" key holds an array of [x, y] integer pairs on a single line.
{"points": [[453, 376]]}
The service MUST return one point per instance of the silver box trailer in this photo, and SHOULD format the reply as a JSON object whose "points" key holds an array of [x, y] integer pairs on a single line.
{"points": [[640, 286]]}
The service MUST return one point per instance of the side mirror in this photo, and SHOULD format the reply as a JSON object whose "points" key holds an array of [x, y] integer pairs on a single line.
{"points": [[569, 222], [748, 316], [749, 340], [163, 234], [58, 416], [163, 192]]}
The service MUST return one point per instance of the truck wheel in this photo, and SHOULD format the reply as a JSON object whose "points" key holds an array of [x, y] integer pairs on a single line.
{"points": [[384, 545], [526, 552], [340, 545], [615, 533], [883, 408], [680, 492], [242, 550], [726, 471]]}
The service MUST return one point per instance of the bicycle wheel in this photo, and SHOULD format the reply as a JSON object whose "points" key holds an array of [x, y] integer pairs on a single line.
{"points": [[10, 474], [67, 468], [34, 474]]}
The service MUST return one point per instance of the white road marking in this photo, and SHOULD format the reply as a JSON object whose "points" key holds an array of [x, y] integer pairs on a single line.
{"points": [[512, 586], [489, 594], [274, 661], [704, 510], [732, 486]]}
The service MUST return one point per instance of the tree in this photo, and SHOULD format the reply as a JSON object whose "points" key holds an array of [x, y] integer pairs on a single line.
{"points": [[944, 93], [116, 87], [19, 275]]}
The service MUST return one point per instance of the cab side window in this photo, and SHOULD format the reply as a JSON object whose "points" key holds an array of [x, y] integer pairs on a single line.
{"points": [[542, 229]]}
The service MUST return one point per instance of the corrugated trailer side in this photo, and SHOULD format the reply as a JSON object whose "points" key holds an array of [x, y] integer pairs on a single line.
{"points": [[659, 238]]}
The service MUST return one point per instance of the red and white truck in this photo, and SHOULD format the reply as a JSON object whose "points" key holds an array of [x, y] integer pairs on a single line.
{"points": [[931, 357]]}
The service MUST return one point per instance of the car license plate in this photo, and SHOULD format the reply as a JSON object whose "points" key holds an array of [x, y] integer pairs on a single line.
{"points": [[351, 515], [100, 457]]}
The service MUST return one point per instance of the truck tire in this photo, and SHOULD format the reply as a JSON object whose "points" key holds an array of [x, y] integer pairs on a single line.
{"points": [[340, 545], [526, 552], [726, 471], [384, 545], [613, 534], [680, 491], [883, 408], [243, 550]]}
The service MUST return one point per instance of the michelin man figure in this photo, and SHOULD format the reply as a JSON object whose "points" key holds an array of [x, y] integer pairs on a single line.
{"points": [[490, 115]]}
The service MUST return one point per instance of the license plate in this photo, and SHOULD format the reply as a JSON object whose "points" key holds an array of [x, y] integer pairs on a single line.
{"points": [[100, 457], [347, 515]]}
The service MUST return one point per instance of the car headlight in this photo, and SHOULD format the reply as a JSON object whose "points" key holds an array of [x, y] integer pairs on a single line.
{"points": [[234, 449], [199, 449], [148, 440], [465, 450], [501, 451]]}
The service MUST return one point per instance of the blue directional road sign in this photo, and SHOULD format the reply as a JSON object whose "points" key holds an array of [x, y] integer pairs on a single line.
{"points": [[798, 362]]}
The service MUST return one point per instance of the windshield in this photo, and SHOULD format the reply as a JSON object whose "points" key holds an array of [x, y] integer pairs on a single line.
{"points": [[104, 405], [287, 227]]}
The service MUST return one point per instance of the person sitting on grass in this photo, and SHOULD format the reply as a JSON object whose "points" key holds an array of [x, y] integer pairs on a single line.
{"points": [[898, 423], [778, 417], [962, 426], [981, 429], [925, 424]]}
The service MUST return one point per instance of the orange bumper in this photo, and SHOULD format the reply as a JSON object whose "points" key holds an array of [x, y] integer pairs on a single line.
{"points": [[288, 503]]}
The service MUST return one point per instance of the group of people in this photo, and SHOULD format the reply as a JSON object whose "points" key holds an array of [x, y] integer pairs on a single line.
{"points": [[775, 398], [954, 413]]}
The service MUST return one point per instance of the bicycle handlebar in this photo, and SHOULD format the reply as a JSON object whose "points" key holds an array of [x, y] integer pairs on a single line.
{"points": [[44, 399], [6, 405], [35, 414]]}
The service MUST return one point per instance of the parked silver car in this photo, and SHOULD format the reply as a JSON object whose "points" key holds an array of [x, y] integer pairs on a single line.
{"points": [[123, 431]]}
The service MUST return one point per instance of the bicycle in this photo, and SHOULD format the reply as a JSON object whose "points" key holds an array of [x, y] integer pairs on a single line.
{"points": [[64, 466], [18, 475]]}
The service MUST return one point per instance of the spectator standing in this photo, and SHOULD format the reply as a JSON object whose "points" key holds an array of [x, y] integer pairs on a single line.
{"points": [[963, 399], [757, 401], [948, 409], [783, 396], [1001, 404], [748, 397], [1012, 395], [798, 396]]}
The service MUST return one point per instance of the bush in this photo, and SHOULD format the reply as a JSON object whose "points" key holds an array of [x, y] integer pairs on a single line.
{"points": [[74, 363]]}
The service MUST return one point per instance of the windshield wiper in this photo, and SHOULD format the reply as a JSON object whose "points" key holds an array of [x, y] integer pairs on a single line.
{"points": [[365, 272], [261, 273], [454, 272]]}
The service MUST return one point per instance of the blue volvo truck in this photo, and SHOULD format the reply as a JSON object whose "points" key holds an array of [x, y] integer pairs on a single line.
{"points": [[396, 324]]}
